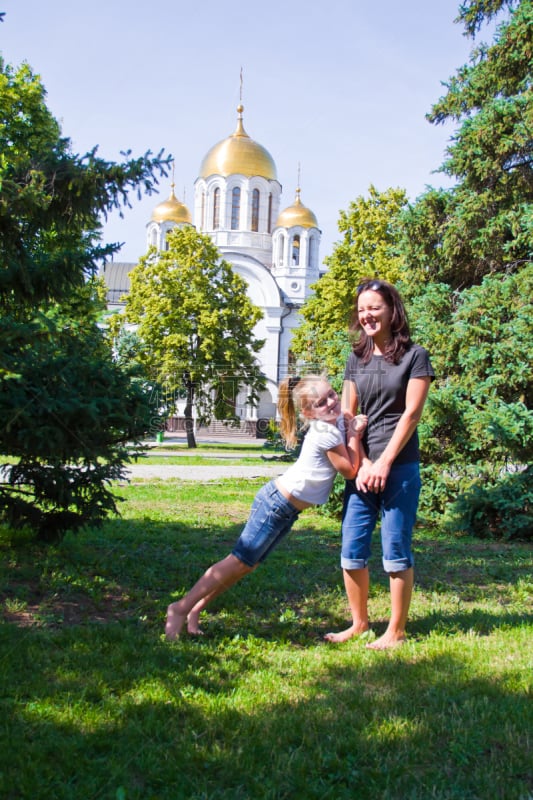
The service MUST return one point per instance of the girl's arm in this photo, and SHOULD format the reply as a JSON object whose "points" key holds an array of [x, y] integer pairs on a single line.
{"points": [[349, 399], [349, 405], [346, 458]]}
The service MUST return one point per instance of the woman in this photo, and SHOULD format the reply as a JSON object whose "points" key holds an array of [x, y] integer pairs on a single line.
{"points": [[388, 377], [277, 505]]}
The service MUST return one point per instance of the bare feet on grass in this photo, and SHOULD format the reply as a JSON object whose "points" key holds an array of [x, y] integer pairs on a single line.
{"points": [[175, 621], [387, 642], [193, 624], [349, 633]]}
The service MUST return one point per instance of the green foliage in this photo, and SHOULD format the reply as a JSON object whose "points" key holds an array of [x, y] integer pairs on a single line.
{"points": [[51, 200], [195, 322], [485, 223], [68, 411], [333, 507], [478, 423], [274, 444], [67, 408], [501, 509], [470, 282], [371, 231], [466, 271]]}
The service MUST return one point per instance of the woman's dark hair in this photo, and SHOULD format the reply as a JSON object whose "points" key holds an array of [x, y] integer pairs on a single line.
{"points": [[401, 338]]}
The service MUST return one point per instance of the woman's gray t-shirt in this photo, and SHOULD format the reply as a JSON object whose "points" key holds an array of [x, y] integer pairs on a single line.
{"points": [[381, 390]]}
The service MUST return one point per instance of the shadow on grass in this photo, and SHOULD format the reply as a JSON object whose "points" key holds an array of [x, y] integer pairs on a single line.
{"points": [[129, 570], [96, 705], [106, 712]]}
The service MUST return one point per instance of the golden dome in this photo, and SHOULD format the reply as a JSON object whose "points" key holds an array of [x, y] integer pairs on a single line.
{"points": [[238, 155], [171, 210], [297, 214]]}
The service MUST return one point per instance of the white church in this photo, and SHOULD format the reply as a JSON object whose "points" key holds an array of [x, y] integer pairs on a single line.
{"points": [[237, 201]]}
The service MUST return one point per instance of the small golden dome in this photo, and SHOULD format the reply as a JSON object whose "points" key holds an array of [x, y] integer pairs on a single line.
{"points": [[239, 155], [171, 210], [297, 214]]}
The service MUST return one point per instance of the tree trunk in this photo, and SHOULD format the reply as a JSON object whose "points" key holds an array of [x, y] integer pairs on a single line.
{"points": [[189, 421]]}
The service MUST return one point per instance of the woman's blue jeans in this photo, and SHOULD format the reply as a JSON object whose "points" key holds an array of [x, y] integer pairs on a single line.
{"points": [[397, 504]]}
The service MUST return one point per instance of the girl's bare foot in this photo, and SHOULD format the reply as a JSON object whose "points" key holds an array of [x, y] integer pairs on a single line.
{"points": [[349, 633], [193, 626], [387, 642], [175, 621]]}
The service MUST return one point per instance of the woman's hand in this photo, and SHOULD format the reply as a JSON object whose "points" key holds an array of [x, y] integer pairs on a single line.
{"points": [[372, 476]]}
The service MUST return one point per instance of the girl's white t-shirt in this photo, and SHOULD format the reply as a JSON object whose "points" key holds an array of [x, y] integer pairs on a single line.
{"points": [[311, 477]]}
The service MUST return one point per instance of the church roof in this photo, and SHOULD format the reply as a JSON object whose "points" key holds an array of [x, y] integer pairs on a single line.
{"points": [[297, 214], [172, 210], [238, 155]]}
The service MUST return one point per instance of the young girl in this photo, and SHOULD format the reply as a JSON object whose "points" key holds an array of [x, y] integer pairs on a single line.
{"points": [[277, 505]]}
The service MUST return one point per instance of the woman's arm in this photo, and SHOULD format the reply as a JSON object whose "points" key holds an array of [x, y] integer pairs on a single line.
{"points": [[373, 476]]}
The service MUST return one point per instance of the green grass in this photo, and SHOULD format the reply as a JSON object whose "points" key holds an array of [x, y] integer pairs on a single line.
{"points": [[95, 704], [192, 460], [209, 453]]}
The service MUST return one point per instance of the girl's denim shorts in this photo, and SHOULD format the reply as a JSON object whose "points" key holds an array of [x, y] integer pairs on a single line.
{"points": [[397, 505], [271, 518]]}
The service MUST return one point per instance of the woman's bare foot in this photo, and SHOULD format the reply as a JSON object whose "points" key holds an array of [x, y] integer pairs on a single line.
{"points": [[175, 621], [349, 633], [387, 642]]}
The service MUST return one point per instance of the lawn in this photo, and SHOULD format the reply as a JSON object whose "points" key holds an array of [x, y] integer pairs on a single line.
{"points": [[97, 705]]}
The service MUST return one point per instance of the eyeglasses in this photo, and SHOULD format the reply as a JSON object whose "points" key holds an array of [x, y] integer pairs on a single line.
{"points": [[331, 395], [370, 286]]}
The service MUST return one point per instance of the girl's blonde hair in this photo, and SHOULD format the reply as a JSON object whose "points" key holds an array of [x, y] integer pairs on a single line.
{"points": [[295, 394]]}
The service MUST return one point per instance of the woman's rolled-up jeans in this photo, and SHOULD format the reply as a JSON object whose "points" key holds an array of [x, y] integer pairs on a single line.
{"points": [[397, 504]]}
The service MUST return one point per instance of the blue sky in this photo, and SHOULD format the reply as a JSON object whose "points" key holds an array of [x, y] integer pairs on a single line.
{"points": [[341, 88]]}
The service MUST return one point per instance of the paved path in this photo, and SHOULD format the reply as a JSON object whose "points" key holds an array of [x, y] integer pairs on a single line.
{"points": [[204, 473]]}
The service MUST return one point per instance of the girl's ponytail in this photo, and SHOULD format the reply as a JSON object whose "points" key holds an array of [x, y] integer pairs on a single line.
{"points": [[294, 394], [287, 408]]}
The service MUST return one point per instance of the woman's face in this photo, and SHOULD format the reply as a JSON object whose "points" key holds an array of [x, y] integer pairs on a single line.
{"points": [[374, 315]]}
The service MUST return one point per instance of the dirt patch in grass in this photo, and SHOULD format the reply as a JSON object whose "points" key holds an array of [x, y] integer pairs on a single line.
{"points": [[54, 612]]}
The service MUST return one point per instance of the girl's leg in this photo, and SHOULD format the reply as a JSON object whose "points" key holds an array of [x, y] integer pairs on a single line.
{"points": [[193, 617], [271, 518], [401, 589], [356, 582], [214, 581]]}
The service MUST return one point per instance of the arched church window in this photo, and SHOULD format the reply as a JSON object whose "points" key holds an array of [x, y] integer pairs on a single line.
{"points": [[311, 251], [269, 226], [255, 210], [202, 212], [235, 208], [281, 245], [216, 209], [153, 237], [296, 250]]}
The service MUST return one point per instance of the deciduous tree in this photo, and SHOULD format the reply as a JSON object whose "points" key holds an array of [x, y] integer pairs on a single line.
{"points": [[196, 324], [371, 231]]}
